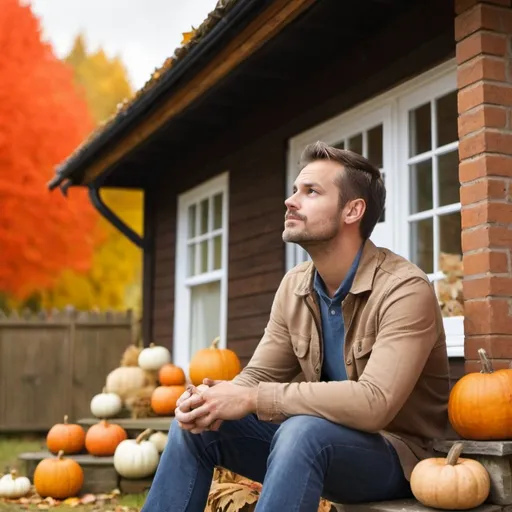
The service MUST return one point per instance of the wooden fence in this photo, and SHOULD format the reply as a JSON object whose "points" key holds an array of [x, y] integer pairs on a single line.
{"points": [[53, 364]]}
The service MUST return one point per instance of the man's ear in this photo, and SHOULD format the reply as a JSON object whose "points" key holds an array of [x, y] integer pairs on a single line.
{"points": [[354, 211]]}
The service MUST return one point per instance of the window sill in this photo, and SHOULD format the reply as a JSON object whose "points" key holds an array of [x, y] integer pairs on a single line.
{"points": [[454, 329]]}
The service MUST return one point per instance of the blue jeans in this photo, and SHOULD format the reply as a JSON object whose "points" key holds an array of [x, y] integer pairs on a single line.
{"points": [[298, 461]]}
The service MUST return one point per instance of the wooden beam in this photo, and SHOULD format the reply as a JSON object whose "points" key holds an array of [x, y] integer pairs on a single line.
{"points": [[248, 41]]}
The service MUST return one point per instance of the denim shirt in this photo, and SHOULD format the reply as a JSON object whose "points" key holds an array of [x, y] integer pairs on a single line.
{"points": [[333, 327]]}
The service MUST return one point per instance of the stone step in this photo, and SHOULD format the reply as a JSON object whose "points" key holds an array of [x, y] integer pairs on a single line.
{"points": [[132, 425], [410, 505], [100, 476]]}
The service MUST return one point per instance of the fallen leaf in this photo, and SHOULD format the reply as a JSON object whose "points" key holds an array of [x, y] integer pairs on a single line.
{"points": [[88, 498], [72, 502]]}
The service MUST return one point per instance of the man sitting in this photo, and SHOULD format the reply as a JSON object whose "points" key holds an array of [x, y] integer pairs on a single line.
{"points": [[363, 327]]}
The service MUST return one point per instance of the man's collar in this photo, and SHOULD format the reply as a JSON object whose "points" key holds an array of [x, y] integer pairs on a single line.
{"points": [[363, 280]]}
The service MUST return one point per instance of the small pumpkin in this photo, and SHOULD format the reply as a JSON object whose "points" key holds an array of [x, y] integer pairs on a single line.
{"points": [[106, 405], [124, 380], [103, 438], [171, 375], [58, 478], [154, 357], [159, 439], [214, 363], [68, 437], [450, 483], [164, 398], [136, 458], [480, 403], [13, 486]]}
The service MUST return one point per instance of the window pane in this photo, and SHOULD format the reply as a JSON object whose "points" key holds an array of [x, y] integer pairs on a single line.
{"points": [[355, 143], [217, 211], [422, 243], [203, 219], [191, 221], [449, 290], [375, 143], [339, 145], [446, 118], [448, 172], [450, 233], [217, 252], [204, 315], [420, 183], [383, 216], [191, 260], [420, 127], [203, 257]]}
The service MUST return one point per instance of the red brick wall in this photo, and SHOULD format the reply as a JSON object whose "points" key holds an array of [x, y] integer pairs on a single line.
{"points": [[483, 33]]}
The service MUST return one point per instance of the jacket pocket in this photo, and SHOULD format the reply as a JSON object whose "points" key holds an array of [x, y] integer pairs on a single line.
{"points": [[363, 346], [300, 345]]}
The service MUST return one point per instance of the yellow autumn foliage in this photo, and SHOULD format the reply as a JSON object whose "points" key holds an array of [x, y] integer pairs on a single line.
{"points": [[114, 280]]}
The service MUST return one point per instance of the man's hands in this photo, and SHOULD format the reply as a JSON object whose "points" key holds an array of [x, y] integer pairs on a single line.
{"points": [[205, 407]]}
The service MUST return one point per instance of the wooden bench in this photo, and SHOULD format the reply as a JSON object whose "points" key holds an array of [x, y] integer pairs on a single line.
{"points": [[404, 506], [495, 456]]}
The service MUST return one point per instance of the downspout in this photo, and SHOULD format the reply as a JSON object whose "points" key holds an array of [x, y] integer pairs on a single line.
{"points": [[145, 243], [114, 219]]}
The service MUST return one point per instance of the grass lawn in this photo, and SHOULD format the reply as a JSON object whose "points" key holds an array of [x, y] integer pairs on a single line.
{"points": [[12, 446]]}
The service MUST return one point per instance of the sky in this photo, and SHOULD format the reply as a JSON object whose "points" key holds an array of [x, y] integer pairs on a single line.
{"points": [[142, 32]]}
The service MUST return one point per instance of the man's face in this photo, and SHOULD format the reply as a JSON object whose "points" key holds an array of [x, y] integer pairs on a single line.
{"points": [[313, 214]]}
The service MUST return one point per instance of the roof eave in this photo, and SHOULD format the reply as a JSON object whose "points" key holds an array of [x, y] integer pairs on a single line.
{"points": [[124, 120]]}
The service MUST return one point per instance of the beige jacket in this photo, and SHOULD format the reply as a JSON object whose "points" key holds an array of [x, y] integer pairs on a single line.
{"points": [[395, 356]]}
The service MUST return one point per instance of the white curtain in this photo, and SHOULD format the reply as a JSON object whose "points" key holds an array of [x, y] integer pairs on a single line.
{"points": [[204, 315]]}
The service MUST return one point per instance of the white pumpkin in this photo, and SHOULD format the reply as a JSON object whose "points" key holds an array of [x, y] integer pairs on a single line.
{"points": [[136, 458], [159, 439], [125, 379], [13, 486], [106, 405], [154, 357]]}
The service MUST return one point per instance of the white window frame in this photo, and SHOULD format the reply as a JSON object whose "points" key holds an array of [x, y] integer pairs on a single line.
{"points": [[182, 288], [391, 106]]}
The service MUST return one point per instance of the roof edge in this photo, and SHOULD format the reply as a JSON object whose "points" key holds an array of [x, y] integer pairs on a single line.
{"points": [[123, 120]]}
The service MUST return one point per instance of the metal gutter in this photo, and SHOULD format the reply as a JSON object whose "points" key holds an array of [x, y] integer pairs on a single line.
{"points": [[115, 220], [241, 10]]}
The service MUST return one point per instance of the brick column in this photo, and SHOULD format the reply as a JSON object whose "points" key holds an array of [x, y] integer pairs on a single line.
{"points": [[483, 33]]}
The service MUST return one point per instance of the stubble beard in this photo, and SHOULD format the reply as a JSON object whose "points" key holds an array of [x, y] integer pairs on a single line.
{"points": [[308, 240]]}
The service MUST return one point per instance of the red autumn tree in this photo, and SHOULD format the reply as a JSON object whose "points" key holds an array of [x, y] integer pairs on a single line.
{"points": [[42, 120]]}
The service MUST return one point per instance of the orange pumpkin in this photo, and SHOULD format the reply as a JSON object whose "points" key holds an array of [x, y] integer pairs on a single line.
{"points": [[480, 403], [103, 438], [58, 478], [214, 363], [171, 375], [68, 437], [164, 398]]}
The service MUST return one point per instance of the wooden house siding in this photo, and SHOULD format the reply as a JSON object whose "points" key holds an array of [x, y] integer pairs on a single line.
{"points": [[257, 171]]}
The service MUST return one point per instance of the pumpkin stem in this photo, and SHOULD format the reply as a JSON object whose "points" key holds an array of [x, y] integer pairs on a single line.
{"points": [[151, 344], [144, 435], [104, 390], [60, 454], [14, 474], [454, 454], [65, 419], [484, 360], [215, 342]]}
